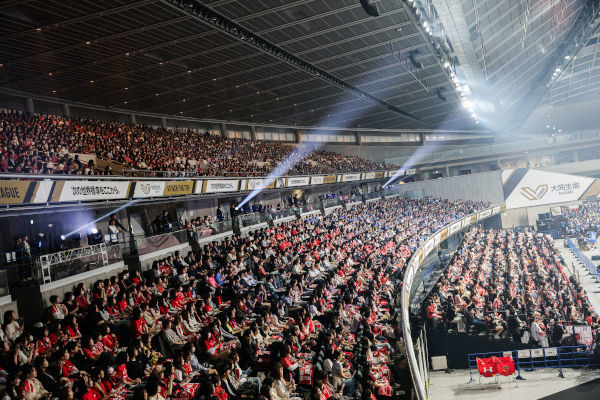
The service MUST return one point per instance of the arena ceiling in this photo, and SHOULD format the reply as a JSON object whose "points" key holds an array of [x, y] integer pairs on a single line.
{"points": [[154, 56]]}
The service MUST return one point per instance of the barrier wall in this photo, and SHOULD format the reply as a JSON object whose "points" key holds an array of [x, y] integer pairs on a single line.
{"points": [[413, 265], [38, 189], [486, 186]]}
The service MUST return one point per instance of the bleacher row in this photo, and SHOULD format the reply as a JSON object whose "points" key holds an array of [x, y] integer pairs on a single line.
{"points": [[49, 144], [511, 285], [181, 326]]}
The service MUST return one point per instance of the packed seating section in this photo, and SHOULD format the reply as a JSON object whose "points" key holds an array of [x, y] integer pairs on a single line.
{"points": [[306, 308], [47, 144], [510, 284]]}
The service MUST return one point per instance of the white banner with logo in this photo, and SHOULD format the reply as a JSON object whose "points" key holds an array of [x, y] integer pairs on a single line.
{"points": [[221, 185], [93, 190], [538, 188], [411, 171], [253, 184], [454, 227], [350, 177], [298, 181], [484, 214], [369, 175], [316, 180], [148, 189]]}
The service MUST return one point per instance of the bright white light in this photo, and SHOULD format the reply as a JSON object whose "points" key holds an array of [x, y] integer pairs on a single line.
{"points": [[557, 69], [62, 237], [467, 104], [476, 121], [446, 65], [425, 25], [567, 57], [94, 231], [548, 126]]}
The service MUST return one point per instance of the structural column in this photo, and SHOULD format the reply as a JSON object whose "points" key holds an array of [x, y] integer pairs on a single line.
{"points": [[163, 123], [223, 129], [132, 119], [358, 138], [29, 106], [298, 136], [447, 170], [253, 133], [66, 110]]}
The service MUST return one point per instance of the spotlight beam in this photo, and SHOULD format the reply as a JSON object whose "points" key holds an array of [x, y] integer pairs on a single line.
{"points": [[84, 227]]}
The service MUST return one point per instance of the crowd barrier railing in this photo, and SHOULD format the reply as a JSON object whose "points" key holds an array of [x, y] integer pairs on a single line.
{"points": [[541, 358], [420, 254], [589, 265]]}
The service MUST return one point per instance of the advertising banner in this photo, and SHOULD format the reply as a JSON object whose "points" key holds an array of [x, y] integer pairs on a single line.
{"points": [[179, 188], [220, 185], [316, 180], [368, 175], [529, 187], [454, 227], [90, 190], [466, 222], [145, 189], [484, 214], [411, 171], [42, 192], [16, 192], [298, 181], [252, 184], [428, 247], [350, 177], [378, 174], [330, 179]]}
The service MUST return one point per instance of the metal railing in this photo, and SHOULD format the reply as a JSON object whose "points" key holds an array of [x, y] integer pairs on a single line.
{"points": [[589, 265], [541, 358]]}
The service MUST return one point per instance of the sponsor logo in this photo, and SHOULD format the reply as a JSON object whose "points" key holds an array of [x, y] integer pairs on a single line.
{"points": [[145, 188], [534, 194], [9, 193]]}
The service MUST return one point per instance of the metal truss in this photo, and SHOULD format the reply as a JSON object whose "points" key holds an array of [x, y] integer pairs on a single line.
{"points": [[46, 261]]}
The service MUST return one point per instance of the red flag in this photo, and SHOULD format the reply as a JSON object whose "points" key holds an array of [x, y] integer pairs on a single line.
{"points": [[504, 365], [486, 367]]}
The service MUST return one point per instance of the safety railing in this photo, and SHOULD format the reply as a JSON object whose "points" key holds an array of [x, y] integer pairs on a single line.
{"points": [[589, 265], [541, 358]]}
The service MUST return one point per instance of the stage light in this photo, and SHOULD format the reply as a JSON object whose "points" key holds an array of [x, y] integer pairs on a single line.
{"points": [[63, 237], [446, 64], [94, 231]]}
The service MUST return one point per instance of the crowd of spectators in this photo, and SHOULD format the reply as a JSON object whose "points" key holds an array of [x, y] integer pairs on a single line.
{"points": [[241, 318], [512, 285], [582, 219], [47, 144]]}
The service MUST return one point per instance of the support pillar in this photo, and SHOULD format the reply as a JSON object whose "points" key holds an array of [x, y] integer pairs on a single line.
{"points": [[298, 136], [163, 123], [132, 119], [223, 129], [447, 170], [66, 110], [576, 155], [29, 106], [358, 137], [422, 139], [253, 133]]}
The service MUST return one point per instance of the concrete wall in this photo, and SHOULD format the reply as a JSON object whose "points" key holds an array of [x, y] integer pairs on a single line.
{"points": [[66, 285], [477, 187], [586, 168], [527, 216]]}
